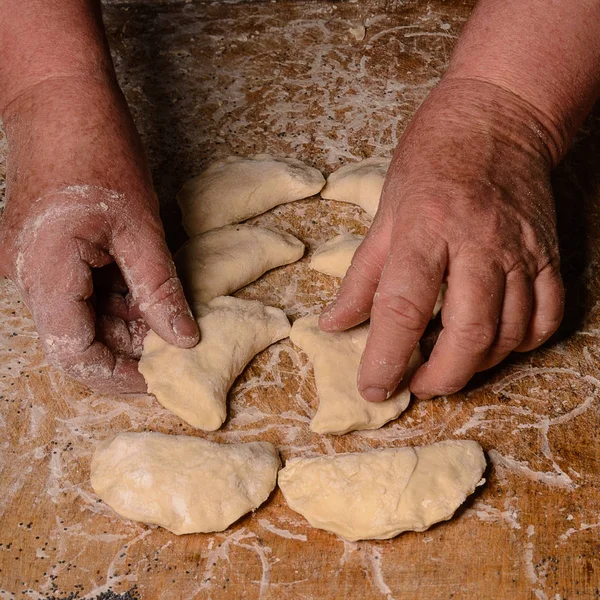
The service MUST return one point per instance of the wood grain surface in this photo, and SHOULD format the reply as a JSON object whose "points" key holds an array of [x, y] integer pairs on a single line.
{"points": [[287, 77]]}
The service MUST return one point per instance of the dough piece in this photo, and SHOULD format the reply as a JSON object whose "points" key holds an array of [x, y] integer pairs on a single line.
{"points": [[185, 484], [336, 358], [194, 383], [358, 183], [222, 261], [381, 493], [334, 258], [237, 188]]}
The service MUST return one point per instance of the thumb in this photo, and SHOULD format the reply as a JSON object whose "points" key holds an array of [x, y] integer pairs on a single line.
{"points": [[148, 269]]}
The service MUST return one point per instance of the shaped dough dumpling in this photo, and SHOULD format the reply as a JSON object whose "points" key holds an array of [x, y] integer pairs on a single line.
{"points": [[237, 188], [185, 484], [336, 359], [335, 256], [359, 183], [221, 261], [381, 493], [193, 383]]}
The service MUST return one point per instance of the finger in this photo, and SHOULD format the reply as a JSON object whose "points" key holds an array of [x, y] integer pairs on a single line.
{"points": [[548, 308], [402, 307], [93, 254], [138, 330], [57, 295], [470, 318], [355, 296], [125, 379], [116, 305], [514, 319], [114, 334], [149, 272], [122, 338]]}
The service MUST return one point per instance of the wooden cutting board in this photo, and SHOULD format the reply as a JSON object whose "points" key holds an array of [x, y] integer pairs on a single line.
{"points": [[209, 79]]}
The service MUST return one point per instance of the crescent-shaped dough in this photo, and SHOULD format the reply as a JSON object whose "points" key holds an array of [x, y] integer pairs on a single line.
{"points": [[193, 383], [185, 484], [336, 358], [359, 183], [237, 188], [381, 493], [221, 261]]}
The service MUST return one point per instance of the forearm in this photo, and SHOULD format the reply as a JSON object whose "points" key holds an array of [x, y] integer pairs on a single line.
{"points": [[50, 39], [546, 52]]}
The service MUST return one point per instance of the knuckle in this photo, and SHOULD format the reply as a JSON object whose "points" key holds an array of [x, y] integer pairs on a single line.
{"points": [[477, 336], [357, 271], [151, 296], [523, 266], [509, 338], [366, 264], [367, 256], [404, 312]]}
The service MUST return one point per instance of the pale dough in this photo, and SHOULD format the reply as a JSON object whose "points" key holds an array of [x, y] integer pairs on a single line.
{"points": [[381, 493], [336, 358], [185, 484], [237, 188], [334, 258], [359, 183], [194, 383], [222, 261]]}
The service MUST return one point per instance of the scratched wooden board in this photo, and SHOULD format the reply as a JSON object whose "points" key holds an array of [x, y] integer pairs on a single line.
{"points": [[206, 80]]}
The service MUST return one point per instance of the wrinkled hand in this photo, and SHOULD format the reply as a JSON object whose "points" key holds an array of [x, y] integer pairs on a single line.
{"points": [[467, 199], [79, 197]]}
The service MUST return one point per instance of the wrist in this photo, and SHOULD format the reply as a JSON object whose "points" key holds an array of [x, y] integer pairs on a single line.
{"points": [[73, 131], [503, 114], [60, 92], [45, 40]]}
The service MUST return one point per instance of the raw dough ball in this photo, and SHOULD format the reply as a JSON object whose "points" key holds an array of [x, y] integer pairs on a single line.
{"points": [[194, 383], [336, 358], [358, 183], [237, 188], [381, 493], [334, 258], [222, 261], [183, 483]]}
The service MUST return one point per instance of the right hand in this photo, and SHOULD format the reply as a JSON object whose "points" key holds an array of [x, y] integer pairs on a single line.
{"points": [[467, 199], [80, 197]]}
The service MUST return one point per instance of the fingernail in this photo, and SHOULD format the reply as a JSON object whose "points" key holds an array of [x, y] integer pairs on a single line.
{"points": [[375, 394], [423, 395], [185, 326]]}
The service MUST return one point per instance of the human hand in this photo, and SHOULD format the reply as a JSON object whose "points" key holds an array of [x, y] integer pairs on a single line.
{"points": [[467, 199], [80, 197]]}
